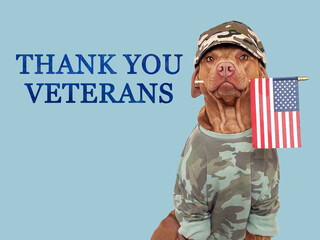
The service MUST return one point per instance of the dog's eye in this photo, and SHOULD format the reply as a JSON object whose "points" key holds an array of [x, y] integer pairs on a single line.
{"points": [[244, 57], [210, 59]]}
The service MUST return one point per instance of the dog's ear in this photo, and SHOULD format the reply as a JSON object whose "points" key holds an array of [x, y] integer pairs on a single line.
{"points": [[195, 88], [262, 71]]}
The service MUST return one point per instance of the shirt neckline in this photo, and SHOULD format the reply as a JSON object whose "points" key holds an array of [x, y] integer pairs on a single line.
{"points": [[246, 133]]}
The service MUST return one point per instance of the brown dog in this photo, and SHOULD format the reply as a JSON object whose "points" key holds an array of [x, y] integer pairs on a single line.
{"points": [[225, 189], [225, 72]]}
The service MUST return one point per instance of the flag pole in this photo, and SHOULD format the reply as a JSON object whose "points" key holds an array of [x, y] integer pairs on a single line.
{"points": [[299, 79]]}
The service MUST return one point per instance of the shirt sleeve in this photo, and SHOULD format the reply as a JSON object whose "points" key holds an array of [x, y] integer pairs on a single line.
{"points": [[190, 197], [262, 220]]}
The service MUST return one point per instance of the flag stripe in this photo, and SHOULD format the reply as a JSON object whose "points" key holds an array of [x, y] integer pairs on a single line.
{"points": [[298, 129], [288, 129], [271, 114], [258, 114], [280, 129], [294, 116], [284, 129], [276, 130], [261, 113], [253, 113], [291, 129], [265, 116]]}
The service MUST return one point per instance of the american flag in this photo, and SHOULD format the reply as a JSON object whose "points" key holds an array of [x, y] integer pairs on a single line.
{"points": [[275, 113]]}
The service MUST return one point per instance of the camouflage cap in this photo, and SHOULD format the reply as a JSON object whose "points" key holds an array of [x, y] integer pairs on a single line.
{"points": [[233, 33]]}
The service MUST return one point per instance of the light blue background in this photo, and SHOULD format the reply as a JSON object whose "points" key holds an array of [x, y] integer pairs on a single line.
{"points": [[107, 171]]}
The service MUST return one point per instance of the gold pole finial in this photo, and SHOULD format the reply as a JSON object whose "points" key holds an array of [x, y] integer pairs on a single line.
{"points": [[303, 78]]}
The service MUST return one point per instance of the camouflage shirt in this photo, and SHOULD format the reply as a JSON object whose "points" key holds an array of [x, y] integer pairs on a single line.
{"points": [[224, 187]]}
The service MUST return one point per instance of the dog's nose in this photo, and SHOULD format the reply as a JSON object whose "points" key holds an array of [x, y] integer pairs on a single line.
{"points": [[225, 69]]}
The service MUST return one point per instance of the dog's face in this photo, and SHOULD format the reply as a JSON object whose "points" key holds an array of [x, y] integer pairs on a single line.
{"points": [[226, 71]]}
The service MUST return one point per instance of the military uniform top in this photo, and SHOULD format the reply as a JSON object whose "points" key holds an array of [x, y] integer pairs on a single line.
{"points": [[225, 187]]}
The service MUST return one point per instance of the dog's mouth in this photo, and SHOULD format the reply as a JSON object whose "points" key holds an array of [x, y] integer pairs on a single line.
{"points": [[227, 88], [227, 91]]}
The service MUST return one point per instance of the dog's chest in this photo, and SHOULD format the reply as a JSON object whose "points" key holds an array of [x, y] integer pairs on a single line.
{"points": [[234, 170]]}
